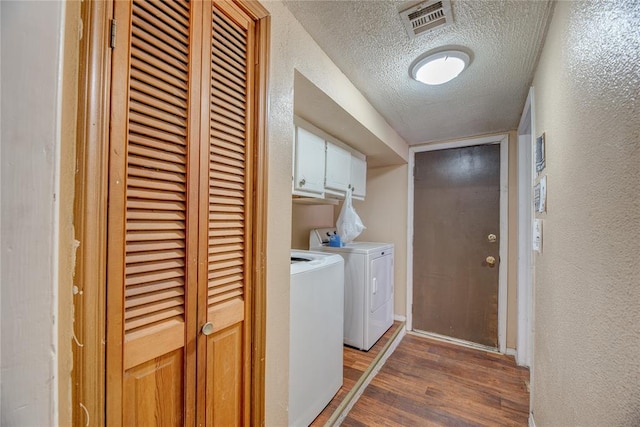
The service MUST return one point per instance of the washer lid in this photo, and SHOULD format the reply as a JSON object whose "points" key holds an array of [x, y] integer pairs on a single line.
{"points": [[361, 247], [308, 260]]}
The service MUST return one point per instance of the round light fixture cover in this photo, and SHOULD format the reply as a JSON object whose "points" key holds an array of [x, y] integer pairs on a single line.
{"points": [[440, 67]]}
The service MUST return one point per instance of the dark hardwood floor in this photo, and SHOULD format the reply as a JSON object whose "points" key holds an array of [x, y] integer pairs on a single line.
{"points": [[427, 382], [356, 362]]}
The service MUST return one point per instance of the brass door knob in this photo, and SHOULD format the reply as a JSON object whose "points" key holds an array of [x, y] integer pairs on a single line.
{"points": [[492, 238], [491, 261]]}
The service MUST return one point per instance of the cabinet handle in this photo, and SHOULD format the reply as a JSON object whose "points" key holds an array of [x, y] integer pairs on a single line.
{"points": [[302, 182]]}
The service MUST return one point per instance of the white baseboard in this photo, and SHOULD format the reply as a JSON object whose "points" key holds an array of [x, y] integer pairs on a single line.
{"points": [[399, 318], [511, 352], [532, 423]]}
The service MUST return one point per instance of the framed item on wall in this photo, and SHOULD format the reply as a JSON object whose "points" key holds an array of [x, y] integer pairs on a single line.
{"points": [[540, 154]]}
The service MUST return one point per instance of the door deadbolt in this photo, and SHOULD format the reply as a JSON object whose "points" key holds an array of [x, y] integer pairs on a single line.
{"points": [[492, 238], [491, 261], [207, 328]]}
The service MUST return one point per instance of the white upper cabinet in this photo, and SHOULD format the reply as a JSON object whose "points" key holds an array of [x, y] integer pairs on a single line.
{"points": [[325, 167], [358, 177], [337, 170], [308, 164]]}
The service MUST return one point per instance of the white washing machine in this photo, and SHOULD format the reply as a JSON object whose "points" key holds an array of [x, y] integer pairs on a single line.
{"points": [[368, 287], [315, 333]]}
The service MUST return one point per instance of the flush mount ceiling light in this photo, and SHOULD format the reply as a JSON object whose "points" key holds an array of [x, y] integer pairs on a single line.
{"points": [[439, 68]]}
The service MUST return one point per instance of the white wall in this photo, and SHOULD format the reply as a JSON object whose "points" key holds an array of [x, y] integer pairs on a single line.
{"points": [[586, 360], [31, 78], [384, 213]]}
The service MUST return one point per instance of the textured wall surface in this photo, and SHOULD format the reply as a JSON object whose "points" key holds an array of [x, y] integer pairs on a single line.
{"points": [[586, 364], [30, 143], [306, 217]]}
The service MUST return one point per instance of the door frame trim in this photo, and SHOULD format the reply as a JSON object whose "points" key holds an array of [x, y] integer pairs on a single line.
{"points": [[524, 346], [90, 215], [503, 140]]}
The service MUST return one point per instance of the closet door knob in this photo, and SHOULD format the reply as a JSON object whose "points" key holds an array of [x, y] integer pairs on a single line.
{"points": [[207, 328]]}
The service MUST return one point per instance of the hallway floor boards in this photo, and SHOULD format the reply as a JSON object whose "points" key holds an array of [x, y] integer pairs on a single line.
{"points": [[355, 363], [426, 382]]}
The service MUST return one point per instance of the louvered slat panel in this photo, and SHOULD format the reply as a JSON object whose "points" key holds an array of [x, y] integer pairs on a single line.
{"points": [[228, 289], [156, 184], [153, 317], [222, 137], [234, 36], [228, 158], [133, 214], [156, 167], [174, 13], [222, 149], [226, 277], [221, 98], [146, 68], [226, 296], [149, 288], [232, 173], [176, 38], [227, 174], [168, 147], [157, 84], [228, 184], [155, 175], [151, 256], [216, 249]]}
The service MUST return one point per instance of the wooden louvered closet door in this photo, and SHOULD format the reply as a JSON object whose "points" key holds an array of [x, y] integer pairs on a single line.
{"points": [[181, 179], [226, 183]]}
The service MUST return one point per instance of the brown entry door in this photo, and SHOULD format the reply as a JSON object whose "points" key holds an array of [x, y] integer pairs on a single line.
{"points": [[456, 243], [182, 201]]}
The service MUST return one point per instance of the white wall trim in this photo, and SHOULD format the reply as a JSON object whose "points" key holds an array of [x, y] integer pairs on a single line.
{"points": [[510, 352], [532, 422], [504, 243], [399, 318], [526, 137], [503, 140], [409, 291]]}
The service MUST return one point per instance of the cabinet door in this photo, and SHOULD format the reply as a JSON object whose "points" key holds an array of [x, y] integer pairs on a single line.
{"points": [[338, 170], [358, 177], [309, 161]]}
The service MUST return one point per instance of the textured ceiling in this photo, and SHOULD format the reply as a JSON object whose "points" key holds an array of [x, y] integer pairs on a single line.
{"points": [[367, 41]]}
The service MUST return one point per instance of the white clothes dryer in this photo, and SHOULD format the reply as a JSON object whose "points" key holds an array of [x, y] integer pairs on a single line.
{"points": [[368, 287]]}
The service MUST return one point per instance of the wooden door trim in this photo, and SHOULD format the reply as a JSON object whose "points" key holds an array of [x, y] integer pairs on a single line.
{"points": [[90, 214], [503, 140], [258, 328]]}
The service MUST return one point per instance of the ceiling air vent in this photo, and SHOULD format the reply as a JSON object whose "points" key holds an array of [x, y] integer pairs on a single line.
{"points": [[426, 16]]}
